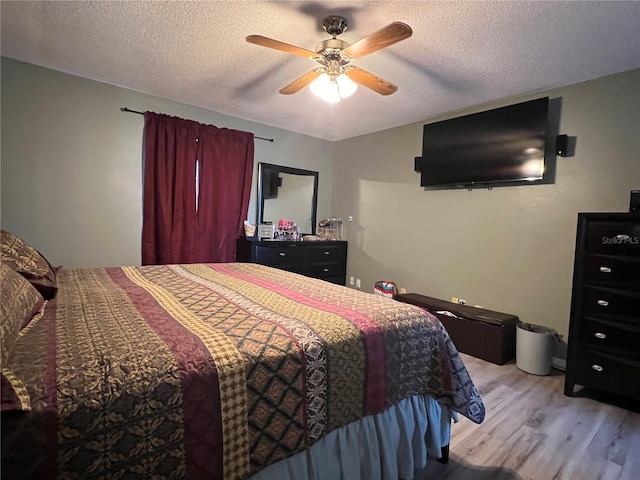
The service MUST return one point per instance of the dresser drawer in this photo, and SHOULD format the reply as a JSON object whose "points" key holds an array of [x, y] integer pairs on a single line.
{"points": [[609, 301], [611, 335], [620, 238], [609, 372], [326, 253], [325, 270], [278, 254], [612, 270]]}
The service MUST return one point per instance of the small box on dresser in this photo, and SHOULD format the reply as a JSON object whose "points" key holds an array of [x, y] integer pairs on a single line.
{"points": [[604, 331]]}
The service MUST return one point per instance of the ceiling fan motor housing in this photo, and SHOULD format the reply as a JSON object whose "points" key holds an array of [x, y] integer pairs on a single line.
{"points": [[334, 25], [326, 47]]}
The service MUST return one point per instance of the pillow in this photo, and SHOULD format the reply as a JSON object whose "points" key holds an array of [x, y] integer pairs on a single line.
{"points": [[20, 302], [27, 261]]}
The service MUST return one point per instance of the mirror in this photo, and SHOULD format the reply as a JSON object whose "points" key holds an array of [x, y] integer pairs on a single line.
{"points": [[287, 193]]}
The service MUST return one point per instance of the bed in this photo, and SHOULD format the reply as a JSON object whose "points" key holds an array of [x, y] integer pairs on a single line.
{"points": [[219, 371]]}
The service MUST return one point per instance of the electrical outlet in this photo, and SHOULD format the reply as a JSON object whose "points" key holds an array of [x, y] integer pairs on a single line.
{"points": [[454, 299], [403, 290], [352, 280], [357, 284]]}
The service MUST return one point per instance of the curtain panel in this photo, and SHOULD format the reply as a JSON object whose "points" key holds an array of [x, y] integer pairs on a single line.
{"points": [[197, 185]]}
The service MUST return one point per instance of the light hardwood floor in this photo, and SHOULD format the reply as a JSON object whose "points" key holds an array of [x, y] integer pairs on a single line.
{"points": [[532, 431]]}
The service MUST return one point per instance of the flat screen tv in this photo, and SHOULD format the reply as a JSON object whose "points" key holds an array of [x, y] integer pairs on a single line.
{"points": [[499, 147]]}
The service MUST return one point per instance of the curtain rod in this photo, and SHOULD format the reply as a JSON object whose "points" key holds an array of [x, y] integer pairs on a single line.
{"points": [[125, 109]]}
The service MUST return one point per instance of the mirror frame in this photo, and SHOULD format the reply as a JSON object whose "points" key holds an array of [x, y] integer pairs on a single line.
{"points": [[291, 171]]}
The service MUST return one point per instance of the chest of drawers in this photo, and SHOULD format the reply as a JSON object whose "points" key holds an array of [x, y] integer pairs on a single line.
{"points": [[326, 260], [604, 332]]}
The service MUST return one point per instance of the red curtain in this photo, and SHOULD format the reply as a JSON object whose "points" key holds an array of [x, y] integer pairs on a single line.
{"points": [[197, 184]]}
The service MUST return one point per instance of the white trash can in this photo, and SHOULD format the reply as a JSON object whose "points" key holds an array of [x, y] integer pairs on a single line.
{"points": [[535, 347]]}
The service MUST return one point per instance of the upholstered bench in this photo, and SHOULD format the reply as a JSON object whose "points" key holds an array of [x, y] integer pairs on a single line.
{"points": [[478, 332]]}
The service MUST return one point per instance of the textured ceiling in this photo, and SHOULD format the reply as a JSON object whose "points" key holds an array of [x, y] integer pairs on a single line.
{"points": [[461, 54]]}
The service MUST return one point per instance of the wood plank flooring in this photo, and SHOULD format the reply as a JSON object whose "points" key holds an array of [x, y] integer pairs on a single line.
{"points": [[532, 431]]}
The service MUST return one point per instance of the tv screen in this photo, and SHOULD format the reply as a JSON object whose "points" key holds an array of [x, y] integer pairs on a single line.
{"points": [[504, 146]]}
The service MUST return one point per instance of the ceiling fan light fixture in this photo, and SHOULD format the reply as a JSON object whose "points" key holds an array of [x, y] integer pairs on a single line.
{"points": [[320, 85], [331, 95], [332, 88], [346, 86]]}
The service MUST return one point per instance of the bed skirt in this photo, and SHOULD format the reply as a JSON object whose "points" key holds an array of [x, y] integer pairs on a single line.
{"points": [[390, 445]]}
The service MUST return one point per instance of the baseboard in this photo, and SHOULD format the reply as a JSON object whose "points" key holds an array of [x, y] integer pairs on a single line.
{"points": [[559, 364]]}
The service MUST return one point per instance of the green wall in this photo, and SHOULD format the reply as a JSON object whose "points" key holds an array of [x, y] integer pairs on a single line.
{"points": [[72, 163], [508, 249]]}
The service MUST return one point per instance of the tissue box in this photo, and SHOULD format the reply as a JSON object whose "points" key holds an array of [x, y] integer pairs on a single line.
{"points": [[265, 230]]}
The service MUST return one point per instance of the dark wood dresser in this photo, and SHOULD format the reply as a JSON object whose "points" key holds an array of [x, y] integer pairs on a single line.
{"points": [[604, 333], [326, 260]]}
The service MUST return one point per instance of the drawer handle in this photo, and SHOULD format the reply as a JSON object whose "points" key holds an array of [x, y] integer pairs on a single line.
{"points": [[603, 303], [622, 237], [327, 252], [600, 335], [605, 269], [325, 270], [597, 368], [283, 254]]}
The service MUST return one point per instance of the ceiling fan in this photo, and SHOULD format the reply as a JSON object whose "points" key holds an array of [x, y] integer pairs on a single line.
{"points": [[334, 78]]}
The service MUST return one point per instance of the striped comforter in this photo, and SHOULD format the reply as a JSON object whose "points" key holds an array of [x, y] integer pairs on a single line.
{"points": [[212, 370]]}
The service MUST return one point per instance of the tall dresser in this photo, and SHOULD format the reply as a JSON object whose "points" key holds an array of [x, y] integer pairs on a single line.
{"points": [[326, 260], [604, 333]]}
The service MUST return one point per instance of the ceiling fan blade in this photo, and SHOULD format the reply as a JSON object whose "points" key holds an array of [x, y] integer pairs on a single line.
{"points": [[278, 45], [370, 80], [384, 37], [301, 82]]}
